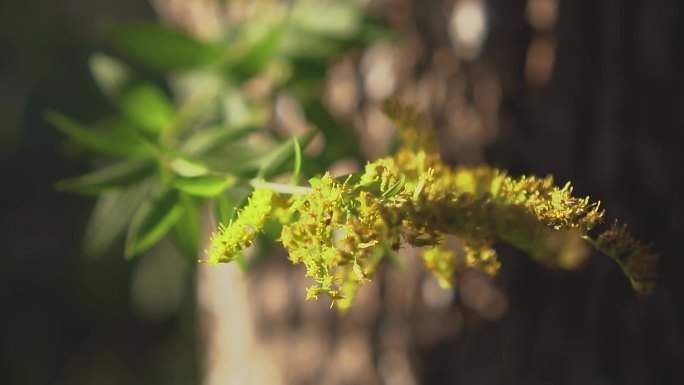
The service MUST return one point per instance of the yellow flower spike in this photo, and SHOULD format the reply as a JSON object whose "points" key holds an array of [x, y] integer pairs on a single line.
{"points": [[339, 231], [240, 233]]}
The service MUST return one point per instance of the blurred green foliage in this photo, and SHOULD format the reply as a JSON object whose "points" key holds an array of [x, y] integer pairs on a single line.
{"points": [[200, 136]]}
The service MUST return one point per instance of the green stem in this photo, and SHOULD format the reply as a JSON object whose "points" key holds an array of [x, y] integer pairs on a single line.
{"points": [[280, 188]]}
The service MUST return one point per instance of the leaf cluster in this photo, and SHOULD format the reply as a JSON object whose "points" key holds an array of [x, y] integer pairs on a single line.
{"points": [[165, 155]]}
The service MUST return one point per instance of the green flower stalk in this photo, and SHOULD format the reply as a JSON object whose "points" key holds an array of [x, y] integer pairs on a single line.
{"points": [[340, 230]]}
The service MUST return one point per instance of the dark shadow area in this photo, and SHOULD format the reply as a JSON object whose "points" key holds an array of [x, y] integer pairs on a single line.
{"points": [[66, 320]]}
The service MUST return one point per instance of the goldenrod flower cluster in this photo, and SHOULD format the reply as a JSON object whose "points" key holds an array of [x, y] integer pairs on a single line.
{"points": [[334, 232], [341, 229], [239, 234]]}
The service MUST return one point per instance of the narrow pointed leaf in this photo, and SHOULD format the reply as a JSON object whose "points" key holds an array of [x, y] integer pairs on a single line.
{"points": [[186, 231], [341, 142], [113, 140], [148, 107], [163, 48], [117, 175], [395, 188], [111, 75], [239, 158], [188, 167], [235, 107], [297, 161], [284, 153], [110, 217], [153, 219], [203, 186], [335, 19], [256, 58], [224, 208], [206, 140]]}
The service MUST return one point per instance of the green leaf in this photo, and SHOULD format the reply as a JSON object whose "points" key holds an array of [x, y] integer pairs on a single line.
{"points": [[111, 215], [119, 174], [182, 164], [334, 19], [298, 162], [240, 158], [318, 33], [148, 107], [203, 186], [207, 139], [186, 166], [340, 141], [338, 27], [187, 229], [300, 45], [236, 109], [153, 219], [395, 188], [111, 75], [282, 154], [258, 55], [224, 208], [312, 43], [315, 182], [372, 187], [115, 139], [163, 48]]}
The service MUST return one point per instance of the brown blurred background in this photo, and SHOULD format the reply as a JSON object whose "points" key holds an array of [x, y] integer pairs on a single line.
{"points": [[589, 91]]}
